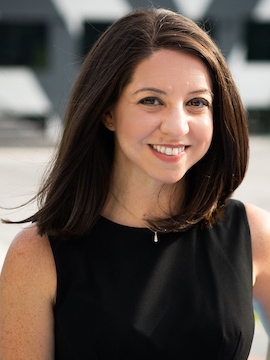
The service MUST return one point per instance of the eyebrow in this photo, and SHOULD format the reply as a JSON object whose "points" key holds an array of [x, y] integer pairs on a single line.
{"points": [[199, 91], [150, 89], [202, 91]]}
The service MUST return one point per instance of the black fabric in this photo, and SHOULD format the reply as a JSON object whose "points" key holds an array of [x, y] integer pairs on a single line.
{"points": [[189, 296]]}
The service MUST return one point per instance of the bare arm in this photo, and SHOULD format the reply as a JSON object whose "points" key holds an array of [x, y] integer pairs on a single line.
{"points": [[259, 221], [27, 293]]}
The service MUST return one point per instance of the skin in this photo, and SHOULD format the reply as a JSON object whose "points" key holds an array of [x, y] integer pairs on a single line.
{"points": [[167, 105], [168, 117], [27, 295]]}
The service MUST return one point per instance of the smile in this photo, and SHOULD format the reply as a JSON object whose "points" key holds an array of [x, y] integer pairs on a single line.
{"points": [[168, 150]]}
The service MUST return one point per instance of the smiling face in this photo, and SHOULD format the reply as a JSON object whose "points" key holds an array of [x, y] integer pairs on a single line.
{"points": [[163, 119]]}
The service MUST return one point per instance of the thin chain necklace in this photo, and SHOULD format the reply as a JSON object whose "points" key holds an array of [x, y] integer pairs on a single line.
{"points": [[135, 216]]}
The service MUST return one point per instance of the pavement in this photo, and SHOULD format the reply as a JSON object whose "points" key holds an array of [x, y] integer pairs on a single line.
{"points": [[25, 151]]}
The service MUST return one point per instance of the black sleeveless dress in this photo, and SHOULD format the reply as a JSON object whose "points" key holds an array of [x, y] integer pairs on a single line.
{"points": [[123, 296]]}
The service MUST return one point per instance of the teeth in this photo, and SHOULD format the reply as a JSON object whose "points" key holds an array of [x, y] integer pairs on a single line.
{"points": [[168, 150]]}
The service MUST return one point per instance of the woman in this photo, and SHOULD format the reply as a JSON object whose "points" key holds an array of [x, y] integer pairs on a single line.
{"points": [[137, 251]]}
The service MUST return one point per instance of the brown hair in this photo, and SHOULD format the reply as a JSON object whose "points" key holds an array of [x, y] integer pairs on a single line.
{"points": [[72, 197]]}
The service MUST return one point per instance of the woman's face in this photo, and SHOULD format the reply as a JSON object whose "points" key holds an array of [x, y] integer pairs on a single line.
{"points": [[163, 121]]}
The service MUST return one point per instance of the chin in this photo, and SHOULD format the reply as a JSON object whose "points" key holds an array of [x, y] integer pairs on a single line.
{"points": [[170, 180]]}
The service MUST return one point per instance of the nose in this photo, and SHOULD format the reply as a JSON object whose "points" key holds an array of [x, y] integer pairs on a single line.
{"points": [[175, 122]]}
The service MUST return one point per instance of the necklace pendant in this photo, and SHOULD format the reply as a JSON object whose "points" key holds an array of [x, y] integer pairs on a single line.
{"points": [[155, 237]]}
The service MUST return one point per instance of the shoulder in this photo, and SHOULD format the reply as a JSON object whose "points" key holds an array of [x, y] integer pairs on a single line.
{"points": [[30, 259], [27, 296], [259, 223]]}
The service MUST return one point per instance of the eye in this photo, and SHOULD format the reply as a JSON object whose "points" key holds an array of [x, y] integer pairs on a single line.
{"points": [[198, 102], [150, 100]]}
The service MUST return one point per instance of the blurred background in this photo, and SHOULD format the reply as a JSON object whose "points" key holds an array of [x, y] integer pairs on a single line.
{"points": [[42, 46], [43, 42]]}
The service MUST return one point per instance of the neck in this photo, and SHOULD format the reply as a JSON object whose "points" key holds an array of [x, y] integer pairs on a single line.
{"points": [[134, 207]]}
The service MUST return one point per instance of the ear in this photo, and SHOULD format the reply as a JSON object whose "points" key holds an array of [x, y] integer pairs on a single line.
{"points": [[108, 120]]}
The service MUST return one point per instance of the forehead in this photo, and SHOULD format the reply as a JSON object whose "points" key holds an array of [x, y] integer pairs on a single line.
{"points": [[167, 67]]}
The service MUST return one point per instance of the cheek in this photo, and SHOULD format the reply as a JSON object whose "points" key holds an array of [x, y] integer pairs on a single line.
{"points": [[133, 126], [127, 132], [209, 132], [204, 129]]}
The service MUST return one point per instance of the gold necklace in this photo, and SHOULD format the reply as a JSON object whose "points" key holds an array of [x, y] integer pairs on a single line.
{"points": [[135, 216]]}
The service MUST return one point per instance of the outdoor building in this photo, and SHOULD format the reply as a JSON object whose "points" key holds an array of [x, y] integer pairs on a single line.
{"points": [[43, 43]]}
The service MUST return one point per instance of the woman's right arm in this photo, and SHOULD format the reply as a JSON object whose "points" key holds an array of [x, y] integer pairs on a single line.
{"points": [[27, 295]]}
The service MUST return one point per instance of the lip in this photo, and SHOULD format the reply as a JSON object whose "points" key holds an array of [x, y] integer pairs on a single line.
{"points": [[169, 150], [168, 153]]}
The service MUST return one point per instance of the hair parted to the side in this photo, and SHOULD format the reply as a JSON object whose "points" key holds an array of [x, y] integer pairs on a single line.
{"points": [[75, 191]]}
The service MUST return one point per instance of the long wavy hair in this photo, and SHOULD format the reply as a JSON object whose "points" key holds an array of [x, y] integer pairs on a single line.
{"points": [[76, 188]]}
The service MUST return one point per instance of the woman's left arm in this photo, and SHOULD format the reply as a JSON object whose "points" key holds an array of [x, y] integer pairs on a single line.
{"points": [[259, 222]]}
